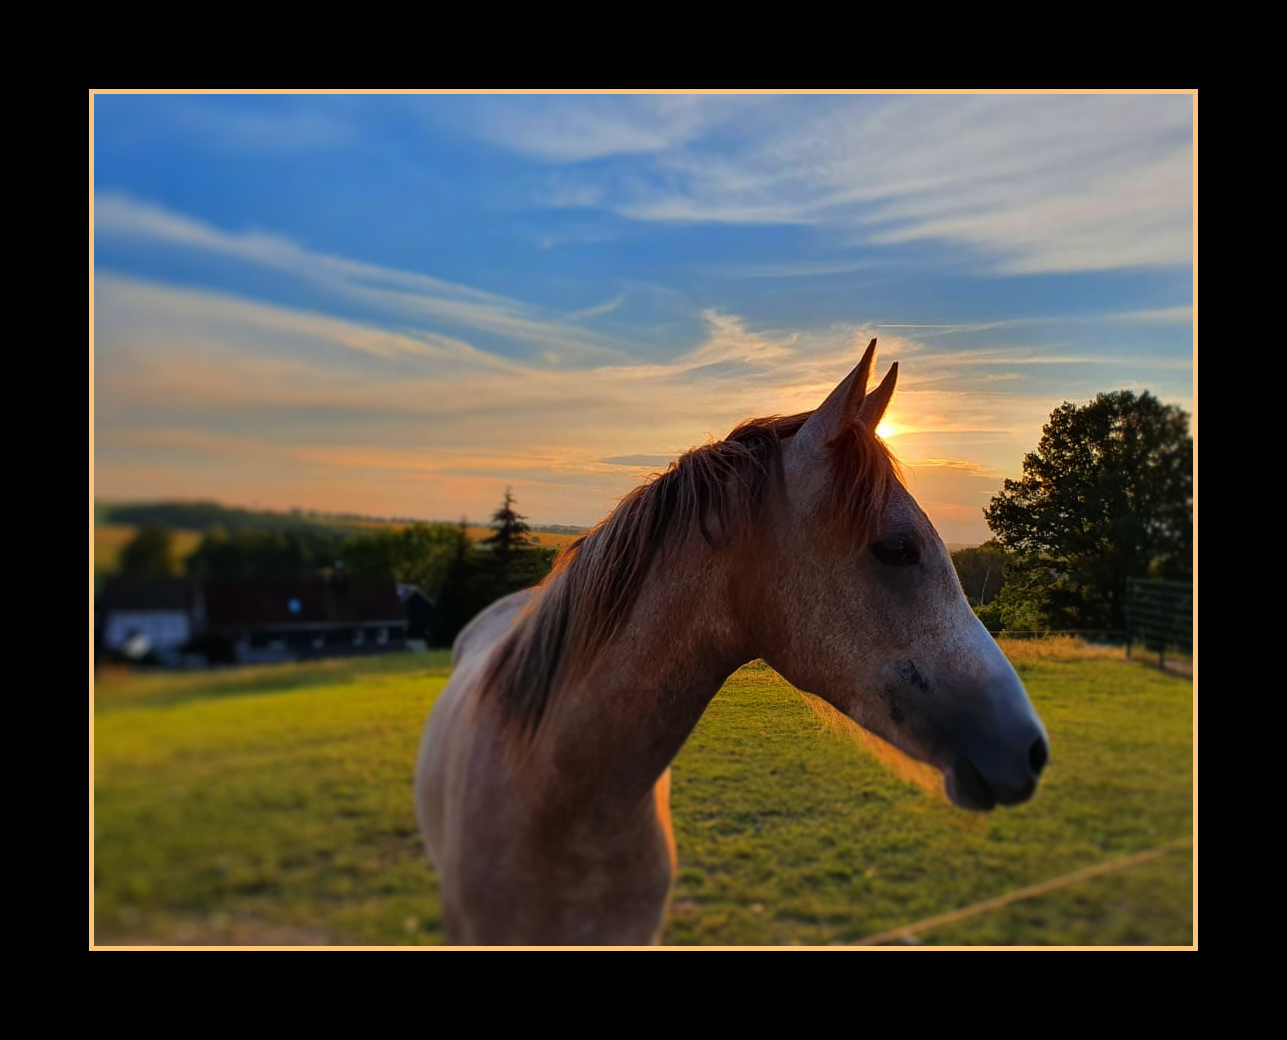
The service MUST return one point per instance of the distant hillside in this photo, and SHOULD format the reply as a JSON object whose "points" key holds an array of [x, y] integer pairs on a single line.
{"points": [[202, 516]]}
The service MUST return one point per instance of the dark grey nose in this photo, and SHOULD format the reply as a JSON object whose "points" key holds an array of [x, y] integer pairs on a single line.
{"points": [[992, 772], [1038, 756]]}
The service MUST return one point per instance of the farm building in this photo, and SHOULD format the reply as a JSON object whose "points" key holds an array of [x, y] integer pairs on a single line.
{"points": [[174, 620], [419, 610], [141, 618]]}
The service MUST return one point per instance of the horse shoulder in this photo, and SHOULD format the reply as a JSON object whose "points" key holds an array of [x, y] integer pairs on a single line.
{"points": [[487, 628], [448, 733]]}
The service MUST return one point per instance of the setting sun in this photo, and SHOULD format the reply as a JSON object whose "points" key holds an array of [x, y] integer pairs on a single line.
{"points": [[885, 430]]}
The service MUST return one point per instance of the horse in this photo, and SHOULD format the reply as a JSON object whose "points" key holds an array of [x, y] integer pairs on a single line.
{"points": [[543, 777]]}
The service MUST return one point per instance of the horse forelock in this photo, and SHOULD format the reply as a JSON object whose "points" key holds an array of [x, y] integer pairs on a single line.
{"points": [[864, 473], [714, 492]]}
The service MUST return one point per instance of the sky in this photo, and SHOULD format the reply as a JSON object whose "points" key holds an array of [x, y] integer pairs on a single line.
{"points": [[402, 304]]}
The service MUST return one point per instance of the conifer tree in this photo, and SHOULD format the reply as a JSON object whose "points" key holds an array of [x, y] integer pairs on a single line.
{"points": [[511, 530]]}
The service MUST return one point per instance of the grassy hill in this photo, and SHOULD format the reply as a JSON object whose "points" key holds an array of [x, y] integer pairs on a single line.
{"points": [[273, 805]]}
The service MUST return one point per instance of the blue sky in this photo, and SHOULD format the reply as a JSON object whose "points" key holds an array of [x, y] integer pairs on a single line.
{"points": [[401, 304]]}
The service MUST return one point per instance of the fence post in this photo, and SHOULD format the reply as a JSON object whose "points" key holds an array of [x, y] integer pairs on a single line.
{"points": [[1159, 612]]}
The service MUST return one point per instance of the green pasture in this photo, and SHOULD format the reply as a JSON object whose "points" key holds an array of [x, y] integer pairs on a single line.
{"points": [[273, 805]]}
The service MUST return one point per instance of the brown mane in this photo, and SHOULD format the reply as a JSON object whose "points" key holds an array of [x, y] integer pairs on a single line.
{"points": [[715, 490]]}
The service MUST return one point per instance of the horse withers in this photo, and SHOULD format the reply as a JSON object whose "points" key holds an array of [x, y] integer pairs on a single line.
{"points": [[542, 786]]}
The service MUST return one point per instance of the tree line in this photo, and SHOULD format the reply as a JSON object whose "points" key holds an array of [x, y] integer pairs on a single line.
{"points": [[459, 576]]}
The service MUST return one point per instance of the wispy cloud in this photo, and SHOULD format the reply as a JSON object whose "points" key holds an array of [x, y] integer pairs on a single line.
{"points": [[1033, 183], [1044, 355], [576, 129], [602, 308], [400, 294], [1115, 215], [151, 310], [1159, 316], [797, 269], [929, 329], [120, 215], [641, 461], [266, 126]]}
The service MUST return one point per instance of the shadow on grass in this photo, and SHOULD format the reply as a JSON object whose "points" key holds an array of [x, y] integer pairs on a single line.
{"points": [[117, 688]]}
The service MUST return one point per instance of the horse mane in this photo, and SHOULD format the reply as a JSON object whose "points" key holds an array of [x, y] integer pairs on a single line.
{"points": [[715, 490]]}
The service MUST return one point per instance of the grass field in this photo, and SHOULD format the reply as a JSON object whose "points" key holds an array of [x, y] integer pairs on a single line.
{"points": [[273, 805]]}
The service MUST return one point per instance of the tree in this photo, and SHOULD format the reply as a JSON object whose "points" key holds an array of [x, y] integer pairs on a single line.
{"points": [[149, 554], [416, 555], [981, 570], [511, 529], [261, 554], [1107, 496], [474, 579], [466, 589]]}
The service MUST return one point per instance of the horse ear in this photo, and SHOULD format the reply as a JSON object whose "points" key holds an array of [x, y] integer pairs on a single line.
{"points": [[840, 409], [875, 403]]}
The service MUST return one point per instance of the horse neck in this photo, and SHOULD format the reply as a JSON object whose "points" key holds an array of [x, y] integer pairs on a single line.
{"points": [[618, 723]]}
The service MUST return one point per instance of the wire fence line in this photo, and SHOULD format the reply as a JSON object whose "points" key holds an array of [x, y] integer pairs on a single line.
{"points": [[1159, 619], [911, 931], [1105, 635]]}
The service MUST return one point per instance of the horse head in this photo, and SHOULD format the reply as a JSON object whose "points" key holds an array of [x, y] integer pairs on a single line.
{"points": [[861, 606]]}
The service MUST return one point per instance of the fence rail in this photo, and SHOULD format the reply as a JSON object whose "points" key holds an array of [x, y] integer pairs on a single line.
{"points": [[1100, 635], [1159, 616]]}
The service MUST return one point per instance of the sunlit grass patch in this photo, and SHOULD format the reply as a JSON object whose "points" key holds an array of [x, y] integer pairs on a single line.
{"points": [[274, 805], [261, 811], [1025, 652], [119, 686], [832, 846]]}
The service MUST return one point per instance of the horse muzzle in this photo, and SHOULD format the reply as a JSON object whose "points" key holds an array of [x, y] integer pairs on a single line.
{"points": [[986, 777]]}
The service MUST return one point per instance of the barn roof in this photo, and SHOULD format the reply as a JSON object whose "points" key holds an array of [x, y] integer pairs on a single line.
{"points": [[302, 599], [131, 593], [299, 599]]}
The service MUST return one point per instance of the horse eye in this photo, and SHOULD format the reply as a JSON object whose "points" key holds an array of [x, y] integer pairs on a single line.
{"points": [[896, 552]]}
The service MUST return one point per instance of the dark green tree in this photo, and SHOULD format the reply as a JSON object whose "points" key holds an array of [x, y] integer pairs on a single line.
{"points": [[511, 530], [260, 553], [149, 554], [529, 567], [1107, 496], [417, 555], [466, 589], [981, 570], [474, 579]]}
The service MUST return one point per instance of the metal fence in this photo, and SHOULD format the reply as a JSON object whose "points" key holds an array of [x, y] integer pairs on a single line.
{"points": [[1159, 617]]}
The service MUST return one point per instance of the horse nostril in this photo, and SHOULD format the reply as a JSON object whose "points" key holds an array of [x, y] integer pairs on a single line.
{"points": [[1037, 755]]}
